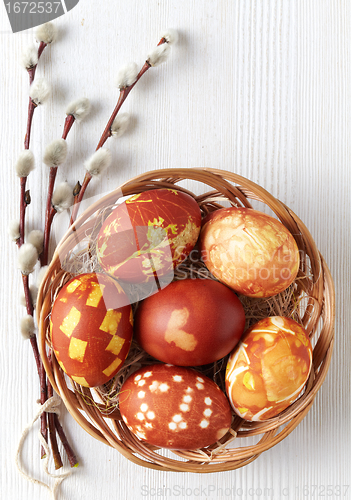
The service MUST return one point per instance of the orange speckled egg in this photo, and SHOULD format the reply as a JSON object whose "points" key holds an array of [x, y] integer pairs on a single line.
{"points": [[269, 368], [249, 251], [174, 407], [91, 328], [148, 235]]}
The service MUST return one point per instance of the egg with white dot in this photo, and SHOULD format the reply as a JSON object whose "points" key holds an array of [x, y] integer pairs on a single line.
{"points": [[179, 409]]}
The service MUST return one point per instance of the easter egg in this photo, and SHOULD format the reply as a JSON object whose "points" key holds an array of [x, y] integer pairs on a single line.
{"points": [[148, 235], [269, 368], [174, 407], [191, 322], [91, 328], [249, 251]]}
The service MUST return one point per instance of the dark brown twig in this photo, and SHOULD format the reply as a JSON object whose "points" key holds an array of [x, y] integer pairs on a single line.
{"points": [[31, 109], [42, 46], [27, 295], [69, 452], [23, 206], [52, 430], [49, 215], [78, 198], [68, 125]]}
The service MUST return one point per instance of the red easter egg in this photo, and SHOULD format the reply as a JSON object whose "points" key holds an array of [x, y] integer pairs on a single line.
{"points": [[148, 235], [174, 407], [91, 328], [249, 251], [191, 322], [269, 368]]}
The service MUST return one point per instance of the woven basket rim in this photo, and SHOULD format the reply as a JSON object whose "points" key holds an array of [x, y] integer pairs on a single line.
{"points": [[318, 320]]}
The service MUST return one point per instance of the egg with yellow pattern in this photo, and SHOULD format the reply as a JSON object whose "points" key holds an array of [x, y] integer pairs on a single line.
{"points": [[148, 235], [91, 328], [251, 252], [269, 368]]}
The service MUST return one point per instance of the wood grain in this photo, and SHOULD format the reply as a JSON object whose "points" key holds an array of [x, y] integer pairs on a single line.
{"points": [[260, 88]]}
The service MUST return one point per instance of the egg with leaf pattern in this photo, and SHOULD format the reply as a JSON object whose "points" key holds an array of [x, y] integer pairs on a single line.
{"points": [[269, 368], [148, 235], [251, 252]]}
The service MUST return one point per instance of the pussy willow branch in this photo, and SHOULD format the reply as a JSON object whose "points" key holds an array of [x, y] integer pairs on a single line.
{"points": [[29, 304], [40, 366], [124, 92], [31, 105], [122, 97], [49, 215], [105, 135], [53, 420], [30, 311], [50, 211], [44, 387]]}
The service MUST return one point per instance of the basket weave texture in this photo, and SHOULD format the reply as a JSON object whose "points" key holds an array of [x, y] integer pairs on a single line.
{"points": [[313, 306]]}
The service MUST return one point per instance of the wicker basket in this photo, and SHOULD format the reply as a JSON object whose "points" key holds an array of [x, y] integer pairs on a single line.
{"points": [[313, 296]]}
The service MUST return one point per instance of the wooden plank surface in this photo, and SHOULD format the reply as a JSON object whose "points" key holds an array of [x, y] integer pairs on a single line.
{"points": [[261, 88]]}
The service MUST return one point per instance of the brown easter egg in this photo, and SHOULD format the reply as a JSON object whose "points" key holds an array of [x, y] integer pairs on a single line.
{"points": [[148, 235], [249, 251], [191, 322], [91, 328], [269, 368], [174, 407]]}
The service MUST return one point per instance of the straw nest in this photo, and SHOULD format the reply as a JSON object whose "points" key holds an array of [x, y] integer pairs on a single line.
{"points": [[309, 300]]}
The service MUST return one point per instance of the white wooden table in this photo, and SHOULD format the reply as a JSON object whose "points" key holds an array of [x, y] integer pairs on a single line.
{"points": [[260, 88]]}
